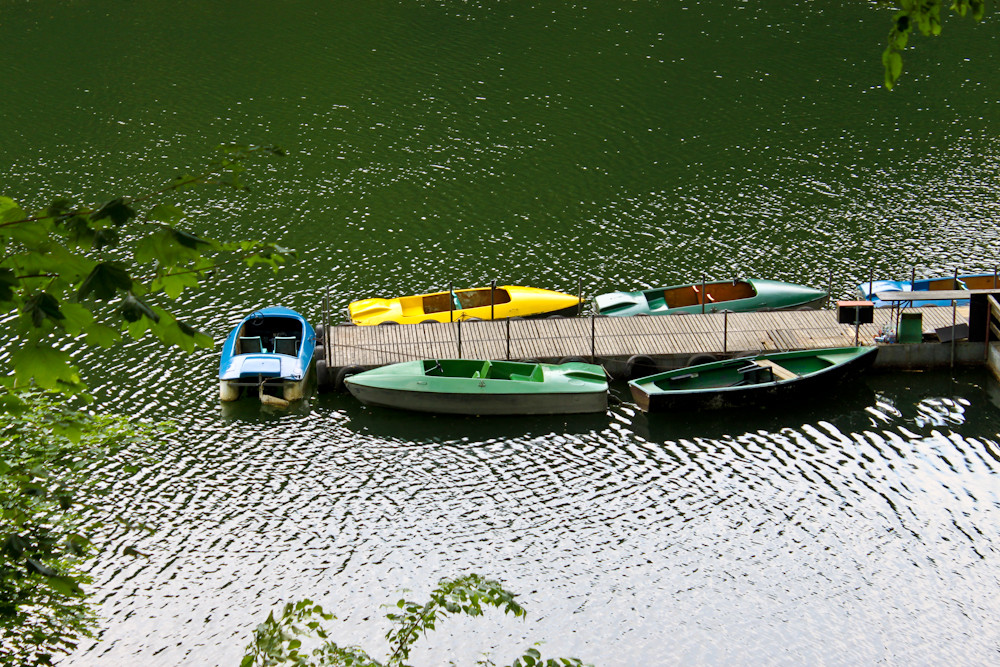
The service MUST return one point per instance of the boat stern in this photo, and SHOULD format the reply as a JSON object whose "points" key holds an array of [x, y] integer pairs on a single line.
{"points": [[621, 303], [374, 311]]}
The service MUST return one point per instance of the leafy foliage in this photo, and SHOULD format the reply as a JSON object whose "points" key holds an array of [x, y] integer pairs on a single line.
{"points": [[65, 271], [926, 16], [279, 641], [49, 495], [67, 276]]}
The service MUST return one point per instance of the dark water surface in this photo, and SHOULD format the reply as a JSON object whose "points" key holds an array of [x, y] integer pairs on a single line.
{"points": [[621, 144]]}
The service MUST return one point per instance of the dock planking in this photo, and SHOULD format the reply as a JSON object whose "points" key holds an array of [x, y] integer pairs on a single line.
{"points": [[674, 338]]}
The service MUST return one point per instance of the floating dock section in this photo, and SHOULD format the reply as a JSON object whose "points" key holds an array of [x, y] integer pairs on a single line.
{"points": [[639, 345]]}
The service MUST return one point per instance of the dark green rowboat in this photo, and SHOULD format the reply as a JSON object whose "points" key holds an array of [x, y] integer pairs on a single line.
{"points": [[733, 295], [780, 376], [477, 387]]}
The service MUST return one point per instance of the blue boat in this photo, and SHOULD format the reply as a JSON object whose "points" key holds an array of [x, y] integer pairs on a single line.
{"points": [[270, 351], [868, 290]]}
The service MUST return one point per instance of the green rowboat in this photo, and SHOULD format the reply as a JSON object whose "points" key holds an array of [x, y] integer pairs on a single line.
{"points": [[776, 377], [736, 296], [478, 387]]}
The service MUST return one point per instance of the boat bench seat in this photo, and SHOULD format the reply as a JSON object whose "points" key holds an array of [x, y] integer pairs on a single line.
{"points": [[483, 372], [537, 375], [780, 372], [686, 376]]}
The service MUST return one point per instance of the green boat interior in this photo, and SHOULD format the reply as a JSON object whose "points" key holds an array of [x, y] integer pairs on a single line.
{"points": [[470, 298], [694, 295], [742, 372], [492, 370]]}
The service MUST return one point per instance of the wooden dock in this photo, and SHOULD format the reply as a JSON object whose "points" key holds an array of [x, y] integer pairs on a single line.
{"points": [[619, 343]]}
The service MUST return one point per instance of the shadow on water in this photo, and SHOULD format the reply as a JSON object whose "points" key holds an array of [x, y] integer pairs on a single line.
{"points": [[422, 428], [847, 408]]}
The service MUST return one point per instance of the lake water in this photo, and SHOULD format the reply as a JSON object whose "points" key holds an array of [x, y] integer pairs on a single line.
{"points": [[624, 145]]}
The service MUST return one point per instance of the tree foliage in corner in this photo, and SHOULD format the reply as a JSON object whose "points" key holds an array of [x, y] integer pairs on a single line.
{"points": [[279, 641], [51, 501], [75, 275], [925, 15], [70, 272]]}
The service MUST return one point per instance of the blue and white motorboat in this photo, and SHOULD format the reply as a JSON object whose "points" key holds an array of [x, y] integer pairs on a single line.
{"points": [[869, 290], [271, 351]]}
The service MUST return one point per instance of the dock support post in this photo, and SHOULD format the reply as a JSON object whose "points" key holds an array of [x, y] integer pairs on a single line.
{"points": [[954, 316], [703, 295], [508, 338], [451, 302], [327, 352], [460, 339], [493, 296], [593, 339], [725, 331]]}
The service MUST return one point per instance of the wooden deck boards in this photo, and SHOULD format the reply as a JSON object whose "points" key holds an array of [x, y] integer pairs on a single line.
{"points": [[615, 337]]}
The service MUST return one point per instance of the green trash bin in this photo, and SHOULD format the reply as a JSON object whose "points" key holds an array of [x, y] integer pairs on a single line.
{"points": [[911, 328]]}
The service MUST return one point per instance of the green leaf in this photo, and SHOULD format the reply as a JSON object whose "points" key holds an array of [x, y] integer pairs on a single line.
{"points": [[166, 213], [67, 586], [173, 285], [115, 210], [169, 247], [101, 335], [31, 233], [105, 281], [45, 365], [8, 282], [10, 211], [35, 565], [893, 67], [42, 306], [134, 309], [76, 318]]}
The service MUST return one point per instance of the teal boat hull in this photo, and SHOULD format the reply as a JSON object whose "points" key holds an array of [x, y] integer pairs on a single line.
{"points": [[777, 378], [711, 297], [478, 387]]}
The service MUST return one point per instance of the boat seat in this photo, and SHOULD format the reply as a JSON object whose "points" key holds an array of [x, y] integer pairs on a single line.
{"points": [[755, 374], [686, 376], [484, 372], [286, 345], [780, 372], [251, 345]]}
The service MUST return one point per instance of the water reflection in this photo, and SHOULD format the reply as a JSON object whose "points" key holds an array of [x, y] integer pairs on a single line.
{"points": [[386, 423]]}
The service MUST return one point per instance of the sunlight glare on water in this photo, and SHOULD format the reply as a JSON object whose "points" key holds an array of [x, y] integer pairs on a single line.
{"points": [[624, 145]]}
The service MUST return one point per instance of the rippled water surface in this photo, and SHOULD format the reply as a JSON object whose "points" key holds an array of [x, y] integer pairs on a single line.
{"points": [[619, 144]]}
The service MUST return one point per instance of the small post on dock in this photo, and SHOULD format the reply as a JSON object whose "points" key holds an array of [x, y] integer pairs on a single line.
{"points": [[954, 317], [593, 339], [451, 302], [327, 353], [703, 295], [725, 331], [508, 338], [460, 339], [493, 296]]}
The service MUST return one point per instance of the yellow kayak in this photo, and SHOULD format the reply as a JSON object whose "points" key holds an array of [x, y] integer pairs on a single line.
{"points": [[464, 304]]}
